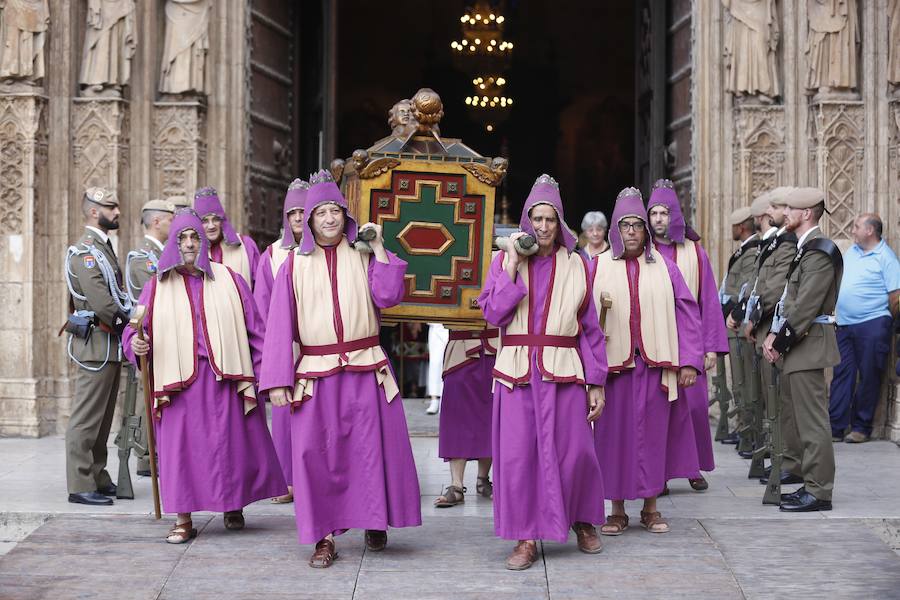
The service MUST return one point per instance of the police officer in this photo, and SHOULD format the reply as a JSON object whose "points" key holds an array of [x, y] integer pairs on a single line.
{"points": [[100, 309], [140, 266], [803, 335]]}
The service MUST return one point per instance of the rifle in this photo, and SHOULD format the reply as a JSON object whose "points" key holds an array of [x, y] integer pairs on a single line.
{"points": [[723, 397], [744, 404], [130, 436], [772, 494], [757, 461], [137, 321]]}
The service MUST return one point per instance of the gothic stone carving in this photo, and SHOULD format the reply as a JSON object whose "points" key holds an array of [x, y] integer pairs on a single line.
{"points": [[23, 34], [21, 147], [109, 45], [759, 151], [185, 48], [100, 143], [894, 47], [831, 48], [837, 162], [751, 43], [179, 148]]}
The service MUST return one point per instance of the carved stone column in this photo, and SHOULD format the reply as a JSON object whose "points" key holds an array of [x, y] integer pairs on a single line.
{"points": [[890, 400], [759, 150], [27, 294], [179, 148]]}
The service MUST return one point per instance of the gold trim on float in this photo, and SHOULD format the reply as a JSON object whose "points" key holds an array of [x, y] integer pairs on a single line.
{"points": [[448, 238]]}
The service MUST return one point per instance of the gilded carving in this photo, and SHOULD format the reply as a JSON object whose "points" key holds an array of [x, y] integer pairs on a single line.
{"points": [[109, 45], [751, 44]]}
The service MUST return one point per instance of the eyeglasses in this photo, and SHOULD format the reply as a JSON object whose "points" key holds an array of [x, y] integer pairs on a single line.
{"points": [[632, 225]]}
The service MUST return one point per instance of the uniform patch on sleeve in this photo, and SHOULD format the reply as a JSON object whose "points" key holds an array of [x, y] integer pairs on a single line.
{"points": [[89, 261], [151, 266]]}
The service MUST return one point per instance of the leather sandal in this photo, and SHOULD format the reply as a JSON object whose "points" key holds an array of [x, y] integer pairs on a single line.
{"points": [[376, 540], [653, 522], [451, 497], [234, 520], [615, 525], [181, 533], [586, 535], [485, 488], [699, 484], [285, 499], [324, 555]]}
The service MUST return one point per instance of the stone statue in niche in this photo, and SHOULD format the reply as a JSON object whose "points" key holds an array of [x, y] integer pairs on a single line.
{"points": [[831, 49], [185, 48], [751, 45], [109, 45], [23, 34], [894, 46]]}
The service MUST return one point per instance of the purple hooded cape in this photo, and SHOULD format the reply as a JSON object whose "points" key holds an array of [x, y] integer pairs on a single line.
{"points": [[206, 202], [294, 199], [663, 194], [629, 203], [546, 191], [323, 190], [184, 220]]}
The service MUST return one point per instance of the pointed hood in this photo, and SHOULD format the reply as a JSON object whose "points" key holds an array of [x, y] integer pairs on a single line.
{"points": [[546, 191], [294, 199], [629, 203], [185, 219], [663, 194], [206, 202], [323, 190]]}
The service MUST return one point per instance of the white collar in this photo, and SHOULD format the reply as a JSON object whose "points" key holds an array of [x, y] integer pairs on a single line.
{"points": [[748, 240], [100, 233], [806, 235], [155, 241], [770, 232]]}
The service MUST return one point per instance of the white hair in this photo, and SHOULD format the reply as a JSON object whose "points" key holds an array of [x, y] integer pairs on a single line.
{"points": [[595, 218]]}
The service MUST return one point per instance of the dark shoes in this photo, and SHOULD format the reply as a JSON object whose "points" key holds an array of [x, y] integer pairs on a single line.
{"points": [[804, 502], [699, 485], [91, 498], [588, 540], [524, 555], [108, 490], [732, 439], [234, 520], [376, 540], [792, 496], [324, 555], [786, 478]]}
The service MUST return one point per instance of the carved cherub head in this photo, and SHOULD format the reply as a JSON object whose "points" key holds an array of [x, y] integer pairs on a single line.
{"points": [[359, 159], [499, 166], [427, 109], [400, 118]]}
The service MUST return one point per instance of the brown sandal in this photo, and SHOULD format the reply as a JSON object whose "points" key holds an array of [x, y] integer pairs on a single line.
{"points": [[234, 520], [285, 499], [181, 533], [653, 522], [485, 488], [615, 525], [324, 555], [451, 497]]}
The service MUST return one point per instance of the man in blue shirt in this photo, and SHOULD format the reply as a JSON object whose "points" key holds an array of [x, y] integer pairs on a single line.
{"points": [[870, 291]]}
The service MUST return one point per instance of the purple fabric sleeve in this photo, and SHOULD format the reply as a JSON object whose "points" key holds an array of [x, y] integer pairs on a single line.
{"points": [[592, 344], [256, 327], [500, 295], [386, 281], [252, 254], [262, 287], [687, 319], [281, 332], [712, 323]]}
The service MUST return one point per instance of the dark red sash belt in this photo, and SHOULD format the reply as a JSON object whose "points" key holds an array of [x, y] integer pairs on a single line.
{"points": [[534, 340], [478, 334], [341, 347]]}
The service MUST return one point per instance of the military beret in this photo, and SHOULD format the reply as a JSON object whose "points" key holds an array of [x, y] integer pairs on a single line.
{"points": [[101, 196], [805, 197], [739, 216], [179, 201], [160, 205], [761, 204], [777, 196]]}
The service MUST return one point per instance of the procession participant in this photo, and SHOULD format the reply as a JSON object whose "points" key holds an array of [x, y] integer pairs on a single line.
{"points": [[269, 263], [100, 311], [546, 475], [352, 460], [466, 405], [677, 242], [594, 228], [203, 343], [654, 346], [140, 266], [236, 251], [803, 335]]}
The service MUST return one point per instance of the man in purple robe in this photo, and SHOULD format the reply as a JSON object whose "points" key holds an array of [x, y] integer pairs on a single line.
{"points": [[689, 454], [214, 449], [226, 246], [269, 263], [352, 461], [653, 347], [548, 385]]}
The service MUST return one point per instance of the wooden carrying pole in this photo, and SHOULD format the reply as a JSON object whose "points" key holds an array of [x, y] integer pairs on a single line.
{"points": [[137, 321], [605, 305]]}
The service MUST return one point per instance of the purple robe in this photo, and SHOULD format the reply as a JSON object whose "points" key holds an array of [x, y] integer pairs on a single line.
{"points": [[249, 246], [632, 435], [212, 456], [714, 339], [281, 415], [353, 466], [546, 472], [466, 407]]}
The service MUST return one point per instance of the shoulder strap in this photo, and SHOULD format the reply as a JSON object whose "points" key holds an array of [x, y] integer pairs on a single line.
{"points": [[825, 246]]}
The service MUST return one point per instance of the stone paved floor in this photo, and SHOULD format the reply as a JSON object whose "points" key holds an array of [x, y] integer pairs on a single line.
{"points": [[724, 543]]}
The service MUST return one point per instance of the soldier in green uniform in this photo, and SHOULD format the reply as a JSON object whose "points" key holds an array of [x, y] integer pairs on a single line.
{"points": [[733, 293], [140, 266], [803, 336], [100, 309]]}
